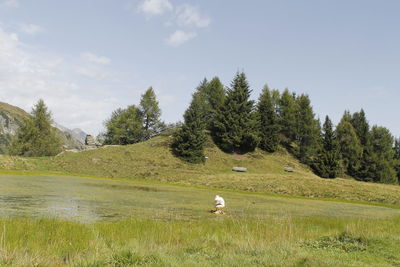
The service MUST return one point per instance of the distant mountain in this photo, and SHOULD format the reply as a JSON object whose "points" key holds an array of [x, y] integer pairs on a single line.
{"points": [[12, 117], [76, 133]]}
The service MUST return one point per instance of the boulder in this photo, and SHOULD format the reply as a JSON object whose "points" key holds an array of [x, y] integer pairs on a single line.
{"points": [[288, 169], [239, 169]]}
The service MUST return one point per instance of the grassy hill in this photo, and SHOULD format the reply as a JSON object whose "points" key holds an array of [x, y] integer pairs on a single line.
{"points": [[153, 161]]}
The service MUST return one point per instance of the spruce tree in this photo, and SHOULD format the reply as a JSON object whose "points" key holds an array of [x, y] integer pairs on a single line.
{"points": [[349, 145], [151, 113], [308, 130], [397, 158], [361, 127], [212, 95], [235, 126], [382, 166], [268, 122], [287, 110], [37, 137], [189, 141], [328, 163]]}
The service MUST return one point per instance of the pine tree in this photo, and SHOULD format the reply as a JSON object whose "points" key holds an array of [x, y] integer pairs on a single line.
{"points": [[235, 126], [268, 122], [37, 137], [151, 113], [287, 109], [328, 163], [212, 95], [349, 144], [397, 158], [124, 127], [308, 130], [361, 127], [189, 141], [382, 167]]}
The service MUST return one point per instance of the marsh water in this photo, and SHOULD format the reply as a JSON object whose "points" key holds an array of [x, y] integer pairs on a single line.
{"points": [[90, 199]]}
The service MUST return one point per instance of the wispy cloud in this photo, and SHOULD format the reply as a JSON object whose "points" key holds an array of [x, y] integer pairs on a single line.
{"points": [[31, 29], [179, 37], [10, 3], [188, 15], [93, 58], [27, 75], [155, 7]]}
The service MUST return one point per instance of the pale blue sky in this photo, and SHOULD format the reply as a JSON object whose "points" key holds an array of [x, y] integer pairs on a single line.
{"points": [[87, 58]]}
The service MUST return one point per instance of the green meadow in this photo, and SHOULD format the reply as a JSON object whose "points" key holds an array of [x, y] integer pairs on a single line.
{"points": [[75, 221], [138, 205]]}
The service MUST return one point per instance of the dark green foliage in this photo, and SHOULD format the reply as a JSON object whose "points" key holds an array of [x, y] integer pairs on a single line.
{"points": [[349, 146], [381, 167], [361, 126], [151, 113], [287, 110], [212, 95], [36, 137], [328, 163], [268, 122], [124, 127], [189, 141], [397, 158], [235, 126], [308, 130]]}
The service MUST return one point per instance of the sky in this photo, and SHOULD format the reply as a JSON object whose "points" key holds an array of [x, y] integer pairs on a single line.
{"points": [[87, 58]]}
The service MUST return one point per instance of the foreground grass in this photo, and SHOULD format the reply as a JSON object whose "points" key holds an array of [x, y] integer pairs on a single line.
{"points": [[217, 241], [153, 161]]}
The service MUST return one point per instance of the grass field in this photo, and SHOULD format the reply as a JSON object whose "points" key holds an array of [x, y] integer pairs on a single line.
{"points": [[138, 205], [152, 161], [130, 223]]}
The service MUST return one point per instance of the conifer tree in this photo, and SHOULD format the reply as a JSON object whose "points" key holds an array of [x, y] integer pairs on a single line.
{"points": [[268, 122], [189, 141], [287, 110], [235, 125], [212, 94], [37, 137], [151, 113], [361, 127], [349, 145], [397, 158], [308, 130], [382, 166], [328, 163]]}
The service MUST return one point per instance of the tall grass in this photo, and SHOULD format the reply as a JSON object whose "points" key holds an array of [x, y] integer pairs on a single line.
{"points": [[218, 241]]}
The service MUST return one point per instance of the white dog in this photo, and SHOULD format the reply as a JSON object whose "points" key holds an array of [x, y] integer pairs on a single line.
{"points": [[219, 202]]}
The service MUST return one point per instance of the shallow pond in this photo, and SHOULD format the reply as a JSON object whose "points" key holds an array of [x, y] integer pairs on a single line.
{"points": [[90, 199]]}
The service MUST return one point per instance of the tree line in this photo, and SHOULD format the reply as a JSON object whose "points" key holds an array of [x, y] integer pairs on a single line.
{"points": [[237, 124]]}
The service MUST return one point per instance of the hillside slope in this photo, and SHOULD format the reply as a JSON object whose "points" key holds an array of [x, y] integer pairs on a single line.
{"points": [[152, 160], [12, 117]]}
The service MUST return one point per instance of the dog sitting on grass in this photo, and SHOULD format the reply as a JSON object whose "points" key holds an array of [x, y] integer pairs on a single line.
{"points": [[219, 204]]}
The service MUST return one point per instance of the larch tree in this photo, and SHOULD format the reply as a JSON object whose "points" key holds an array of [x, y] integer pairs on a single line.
{"points": [[37, 137], [151, 113]]}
